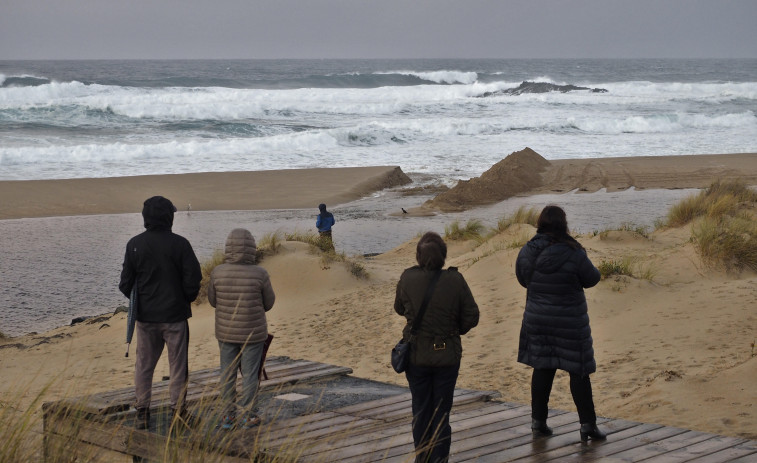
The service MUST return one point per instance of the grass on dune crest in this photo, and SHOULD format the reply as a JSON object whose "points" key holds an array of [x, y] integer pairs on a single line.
{"points": [[724, 228], [718, 200]]}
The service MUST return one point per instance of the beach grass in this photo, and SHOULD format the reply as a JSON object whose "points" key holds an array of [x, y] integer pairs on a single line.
{"points": [[728, 241], [524, 215], [717, 200], [472, 230], [632, 266], [269, 244], [723, 227], [207, 267]]}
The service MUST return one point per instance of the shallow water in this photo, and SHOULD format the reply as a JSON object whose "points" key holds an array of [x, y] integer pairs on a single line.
{"points": [[57, 268]]}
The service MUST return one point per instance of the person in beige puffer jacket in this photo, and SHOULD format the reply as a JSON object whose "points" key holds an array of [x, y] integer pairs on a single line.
{"points": [[241, 293]]}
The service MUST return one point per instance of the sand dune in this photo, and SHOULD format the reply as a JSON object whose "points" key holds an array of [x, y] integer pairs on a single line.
{"points": [[676, 349]]}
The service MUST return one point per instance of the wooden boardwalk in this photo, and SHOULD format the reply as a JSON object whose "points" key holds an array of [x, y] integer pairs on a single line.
{"points": [[318, 413]]}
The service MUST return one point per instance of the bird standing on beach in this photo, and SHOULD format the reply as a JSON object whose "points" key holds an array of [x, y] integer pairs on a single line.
{"points": [[403, 210]]}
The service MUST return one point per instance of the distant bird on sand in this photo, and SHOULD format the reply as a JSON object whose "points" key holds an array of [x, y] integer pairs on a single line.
{"points": [[403, 210], [189, 208]]}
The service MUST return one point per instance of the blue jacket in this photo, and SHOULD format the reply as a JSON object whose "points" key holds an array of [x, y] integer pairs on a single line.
{"points": [[325, 221], [555, 332]]}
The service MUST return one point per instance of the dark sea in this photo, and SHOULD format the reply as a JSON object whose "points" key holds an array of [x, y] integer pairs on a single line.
{"points": [[439, 120]]}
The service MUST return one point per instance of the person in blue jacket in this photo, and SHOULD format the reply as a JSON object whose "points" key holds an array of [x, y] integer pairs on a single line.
{"points": [[555, 334], [323, 223]]}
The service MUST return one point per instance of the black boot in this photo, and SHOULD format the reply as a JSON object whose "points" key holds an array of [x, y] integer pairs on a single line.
{"points": [[142, 420], [590, 430], [540, 428]]}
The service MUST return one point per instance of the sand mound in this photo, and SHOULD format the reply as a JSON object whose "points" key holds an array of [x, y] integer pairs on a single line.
{"points": [[517, 173]]}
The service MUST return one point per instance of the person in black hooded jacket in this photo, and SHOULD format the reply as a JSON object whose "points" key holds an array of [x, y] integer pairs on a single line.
{"points": [[167, 273], [555, 332]]}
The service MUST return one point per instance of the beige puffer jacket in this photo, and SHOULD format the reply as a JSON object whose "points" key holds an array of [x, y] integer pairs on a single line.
{"points": [[241, 292]]}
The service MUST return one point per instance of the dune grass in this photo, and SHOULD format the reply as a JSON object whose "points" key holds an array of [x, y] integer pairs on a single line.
{"points": [[472, 230], [523, 215], [729, 242], [718, 200], [724, 229], [631, 266], [640, 230], [207, 267]]}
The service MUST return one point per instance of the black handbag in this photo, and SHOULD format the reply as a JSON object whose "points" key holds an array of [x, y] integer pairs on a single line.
{"points": [[401, 352]]}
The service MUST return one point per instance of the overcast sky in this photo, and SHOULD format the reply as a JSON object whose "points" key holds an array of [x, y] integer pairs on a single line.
{"points": [[73, 29]]}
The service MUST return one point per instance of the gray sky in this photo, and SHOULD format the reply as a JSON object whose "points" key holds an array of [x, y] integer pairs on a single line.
{"points": [[71, 29]]}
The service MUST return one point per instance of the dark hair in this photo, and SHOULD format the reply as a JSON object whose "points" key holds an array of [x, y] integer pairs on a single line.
{"points": [[431, 251], [552, 222]]}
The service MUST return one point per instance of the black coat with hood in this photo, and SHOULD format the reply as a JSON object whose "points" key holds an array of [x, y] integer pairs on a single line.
{"points": [[163, 265], [555, 333]]}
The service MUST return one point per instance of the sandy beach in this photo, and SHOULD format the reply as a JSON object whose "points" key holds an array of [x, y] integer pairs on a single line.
{"points": [[676, 349]]}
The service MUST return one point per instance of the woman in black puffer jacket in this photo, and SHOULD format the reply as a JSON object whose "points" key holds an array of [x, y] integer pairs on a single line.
{"points": [[555, 333]]}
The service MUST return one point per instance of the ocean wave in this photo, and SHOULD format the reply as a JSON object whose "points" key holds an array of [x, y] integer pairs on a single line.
{"points": [[664, 123], [440, 77], [23, 80]]}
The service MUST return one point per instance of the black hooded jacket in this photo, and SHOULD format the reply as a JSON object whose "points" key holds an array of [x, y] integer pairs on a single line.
{"points": [[163, 265], [555, 333]]}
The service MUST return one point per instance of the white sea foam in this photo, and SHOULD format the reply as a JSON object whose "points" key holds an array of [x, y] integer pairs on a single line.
{"points": [[448, 130], [440, 77]]}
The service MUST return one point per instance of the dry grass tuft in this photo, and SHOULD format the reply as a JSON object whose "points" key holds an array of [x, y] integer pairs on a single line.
{"points": [[473, 230], [725, 231], [523, 215], [207, 267], [717, 200]]}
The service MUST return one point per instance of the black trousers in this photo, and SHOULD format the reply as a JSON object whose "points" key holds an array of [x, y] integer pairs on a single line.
{"points": [[432, 390], [580, 389]]}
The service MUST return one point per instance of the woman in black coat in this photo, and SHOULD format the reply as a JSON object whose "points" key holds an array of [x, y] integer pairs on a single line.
{"points": [[436, 349], [555, 333]]}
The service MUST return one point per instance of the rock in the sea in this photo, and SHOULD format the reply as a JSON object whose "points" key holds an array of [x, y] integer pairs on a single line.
{"points": [[541, 87]]}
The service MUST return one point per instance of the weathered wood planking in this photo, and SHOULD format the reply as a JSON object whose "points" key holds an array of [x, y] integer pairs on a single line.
{"points": [[378, 430], [203, 384]]}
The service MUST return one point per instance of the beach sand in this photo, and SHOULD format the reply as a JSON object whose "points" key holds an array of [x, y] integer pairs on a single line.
{"points": [[677, 350]]}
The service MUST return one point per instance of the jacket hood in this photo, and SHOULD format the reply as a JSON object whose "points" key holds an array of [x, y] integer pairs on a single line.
{"points": [[158, 213], [547, 255], [240, 247]]}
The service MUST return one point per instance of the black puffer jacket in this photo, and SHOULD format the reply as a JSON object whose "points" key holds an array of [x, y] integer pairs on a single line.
{"points": [[163, 265], [555, 333]]}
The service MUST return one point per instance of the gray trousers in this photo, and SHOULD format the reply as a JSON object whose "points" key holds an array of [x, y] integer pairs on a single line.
{"points": [[151, 337], [246, 357]]}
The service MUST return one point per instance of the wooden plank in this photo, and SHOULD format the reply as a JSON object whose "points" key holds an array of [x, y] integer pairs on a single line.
{"points": [[707, 447], [498, 436], [279, 373], [503, 437], [307, 376], [520, 445], [598, 450], [664, 446], [344, 424], [745, 451], [363, 447]]}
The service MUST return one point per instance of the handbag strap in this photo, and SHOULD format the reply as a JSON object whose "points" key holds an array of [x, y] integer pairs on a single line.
{"points": [[424, 304]]}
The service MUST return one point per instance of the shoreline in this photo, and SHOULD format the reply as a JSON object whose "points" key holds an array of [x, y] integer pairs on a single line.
{"points": [[205, 191], [305, 188]]}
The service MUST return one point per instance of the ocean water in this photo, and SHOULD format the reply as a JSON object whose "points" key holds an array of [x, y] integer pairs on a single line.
{"points": [[450, 119], [439, 120]]}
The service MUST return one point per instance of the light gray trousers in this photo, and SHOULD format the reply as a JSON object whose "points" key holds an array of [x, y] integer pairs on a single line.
{"points": [[151, 337], [247, 358]]}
